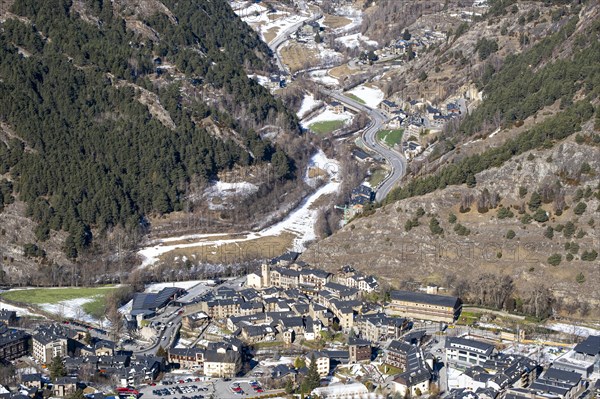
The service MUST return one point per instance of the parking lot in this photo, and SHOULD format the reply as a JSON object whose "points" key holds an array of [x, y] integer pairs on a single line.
{"points": [[188, 388], [236, 389]]}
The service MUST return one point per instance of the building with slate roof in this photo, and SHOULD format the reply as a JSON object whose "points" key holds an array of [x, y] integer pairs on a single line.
{"points": [[463, 353], [423, 306], [145, 304], [13, 344]]}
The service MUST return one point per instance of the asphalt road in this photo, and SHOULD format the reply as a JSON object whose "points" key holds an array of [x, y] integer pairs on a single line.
{"points": [[394, 158], [172, 315], [284, 36]]}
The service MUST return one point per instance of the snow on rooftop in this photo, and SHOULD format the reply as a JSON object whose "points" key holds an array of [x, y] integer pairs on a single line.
{"points": [[186, 285], [371, 96], [273, 362]]}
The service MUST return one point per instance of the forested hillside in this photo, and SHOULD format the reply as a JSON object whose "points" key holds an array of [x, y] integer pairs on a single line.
{"points": [[79, 146], [524, 85]]}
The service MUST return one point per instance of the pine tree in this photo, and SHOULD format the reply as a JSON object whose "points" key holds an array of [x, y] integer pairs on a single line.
{"points": [[312, 379], [57, 368], [161, 352], [535, 201], [289, 386]]}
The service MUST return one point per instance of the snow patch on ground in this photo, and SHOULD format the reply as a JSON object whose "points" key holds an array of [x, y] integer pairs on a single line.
{"points": [[580, 331], [262, 80], [222, 190], [349, 12], [371, 96], [282, 24], [495, 132], [252, 14], [328, 115], [328, 56], [322, 77], [308, 104], [235, 188], [300, 222], [72, 308], [20, 311], [355, 40]]}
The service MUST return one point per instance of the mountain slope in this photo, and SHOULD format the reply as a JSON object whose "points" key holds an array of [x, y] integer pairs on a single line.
{"points": [[504, 212], [99, 102]]}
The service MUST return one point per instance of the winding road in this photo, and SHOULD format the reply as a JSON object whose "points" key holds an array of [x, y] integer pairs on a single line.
{"points": [[396, 160]]}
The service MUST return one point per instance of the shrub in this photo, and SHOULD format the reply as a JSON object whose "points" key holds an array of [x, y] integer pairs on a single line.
{"points": [[555, 259], [580, 208], [569, 230], [522, 191], [580, 278], [540, 216], [589, 256], [526, 218], [452, 218], [434, 226], [510, 234], [549, 233], [504, 213], [534, 201]]}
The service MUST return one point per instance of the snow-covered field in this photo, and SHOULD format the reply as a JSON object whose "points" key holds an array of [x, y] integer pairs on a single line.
{"points": [[72, 308], [322, 77], [308, 104], [300, 221], [371, 96], [355, 40], [328, 115]]}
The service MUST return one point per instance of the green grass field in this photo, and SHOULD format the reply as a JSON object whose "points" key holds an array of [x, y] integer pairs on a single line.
{"points": [[355, 98], [390, 137], [40, 296], [326, 127], [55, 295]]}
